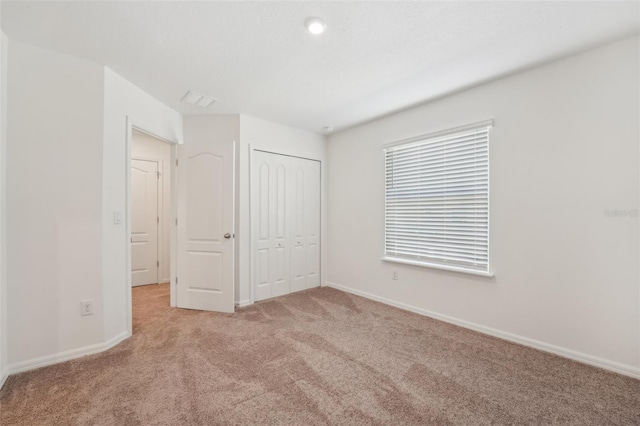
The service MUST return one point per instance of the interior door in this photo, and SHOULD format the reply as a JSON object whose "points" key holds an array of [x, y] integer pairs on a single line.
{"points": [[285, 209], [312, 223], [144, 222], [305, 224], [205, 234], [271, 235], [298, 229]]}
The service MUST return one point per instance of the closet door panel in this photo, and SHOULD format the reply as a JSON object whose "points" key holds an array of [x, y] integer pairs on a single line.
{"points": [[298, 252], [261, 187], [280, 217], [286, 224], [312, 223]]}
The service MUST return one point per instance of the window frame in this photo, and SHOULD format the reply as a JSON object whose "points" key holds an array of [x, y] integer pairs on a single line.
{"points": [[425, 263]]}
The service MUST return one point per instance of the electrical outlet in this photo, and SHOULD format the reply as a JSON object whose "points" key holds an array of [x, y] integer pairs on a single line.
{"points": [[86, 307], [394, 275]]}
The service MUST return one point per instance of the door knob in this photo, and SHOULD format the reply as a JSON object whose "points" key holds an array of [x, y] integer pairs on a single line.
{"points": [[227, 235]]}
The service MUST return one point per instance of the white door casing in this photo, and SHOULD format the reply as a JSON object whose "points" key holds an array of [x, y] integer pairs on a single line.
{"points": [[144, 222], [285, 224], [205, 228]]}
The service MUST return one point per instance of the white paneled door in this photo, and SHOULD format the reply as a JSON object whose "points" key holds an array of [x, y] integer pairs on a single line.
{"points": [[205, 229], [285, 224], [271, 239], [144, 222], [305, 224]]}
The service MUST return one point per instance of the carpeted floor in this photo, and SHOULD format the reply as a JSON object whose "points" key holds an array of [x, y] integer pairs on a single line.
{"points": [[316, 357]]}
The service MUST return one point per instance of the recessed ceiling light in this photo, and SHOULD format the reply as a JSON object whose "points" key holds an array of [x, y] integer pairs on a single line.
{"points": [[315, 25], [198, 99], [328, 129]]}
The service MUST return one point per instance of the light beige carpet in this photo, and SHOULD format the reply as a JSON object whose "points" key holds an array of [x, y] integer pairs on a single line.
{"points": [[316, 357]]}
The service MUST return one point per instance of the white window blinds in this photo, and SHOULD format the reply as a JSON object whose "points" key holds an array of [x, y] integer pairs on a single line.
{"points": [[437, 200]]}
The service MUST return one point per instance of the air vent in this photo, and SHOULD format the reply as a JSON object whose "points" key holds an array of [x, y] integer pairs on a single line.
{"points": [[198, 99]]}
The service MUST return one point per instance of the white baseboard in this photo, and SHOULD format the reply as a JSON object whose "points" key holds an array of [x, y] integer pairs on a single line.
{"points": [[66, 355], [617, 367], [243, 303]]}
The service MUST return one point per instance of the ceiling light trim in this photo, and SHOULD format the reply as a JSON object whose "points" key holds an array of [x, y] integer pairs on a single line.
{"points": [[315, 26]]}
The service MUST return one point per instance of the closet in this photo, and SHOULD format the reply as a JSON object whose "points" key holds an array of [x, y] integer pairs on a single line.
{"points": [[285, 230]]}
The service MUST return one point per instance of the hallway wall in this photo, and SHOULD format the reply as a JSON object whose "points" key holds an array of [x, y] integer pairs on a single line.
{"points": [[55, 111], [67, 141]]}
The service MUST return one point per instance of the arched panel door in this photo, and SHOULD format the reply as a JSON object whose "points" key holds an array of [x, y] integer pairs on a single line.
{"points": [[285, 212], [271, 236], [205, 227], [144, 222]]}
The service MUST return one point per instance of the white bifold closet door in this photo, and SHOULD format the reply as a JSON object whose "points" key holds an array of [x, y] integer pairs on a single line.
{"points": [[286, 224]]}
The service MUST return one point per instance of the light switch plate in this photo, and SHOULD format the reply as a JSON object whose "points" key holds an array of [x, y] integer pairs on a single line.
{"points": [[117, 217]]}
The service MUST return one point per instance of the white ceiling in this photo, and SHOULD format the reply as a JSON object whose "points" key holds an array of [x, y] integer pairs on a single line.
{"points": [[258, 59]]}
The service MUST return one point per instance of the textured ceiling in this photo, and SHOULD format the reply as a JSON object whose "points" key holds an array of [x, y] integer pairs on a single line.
{"points": [[258, 59]]}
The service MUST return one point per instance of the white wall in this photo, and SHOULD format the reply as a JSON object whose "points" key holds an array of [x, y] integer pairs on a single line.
{"points": [[121, 100], [149, 148], [54, 218], [268, 136], [564, 148], [68, 139], [3, 207]]}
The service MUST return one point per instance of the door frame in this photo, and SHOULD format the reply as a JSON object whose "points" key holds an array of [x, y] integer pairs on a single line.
{"points": [[131, 124], [252, 215]]}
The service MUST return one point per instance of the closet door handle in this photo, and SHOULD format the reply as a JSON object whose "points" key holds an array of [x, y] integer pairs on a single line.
{"points": [[227, 235]]}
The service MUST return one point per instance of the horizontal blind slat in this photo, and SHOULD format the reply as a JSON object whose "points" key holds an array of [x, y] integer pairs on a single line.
{"points": [[480, 134], [472, 148], [426, 163], [436, 199]]}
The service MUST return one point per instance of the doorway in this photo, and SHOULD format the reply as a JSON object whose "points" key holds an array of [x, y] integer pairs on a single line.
{"points": [[150, 194], [192, 200], [193, 197], [150, 209]]}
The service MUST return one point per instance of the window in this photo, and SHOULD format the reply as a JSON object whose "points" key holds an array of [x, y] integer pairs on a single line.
{"points": [[437, 200]]}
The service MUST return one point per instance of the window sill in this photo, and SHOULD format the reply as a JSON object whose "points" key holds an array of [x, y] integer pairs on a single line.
{"points": [[437, 266]]}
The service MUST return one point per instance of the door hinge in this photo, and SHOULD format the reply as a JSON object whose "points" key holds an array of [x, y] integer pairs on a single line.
{"points": [[158, 263], [157, 220], [158, 175], [176, 280], [176, 221], [176, 162]]}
